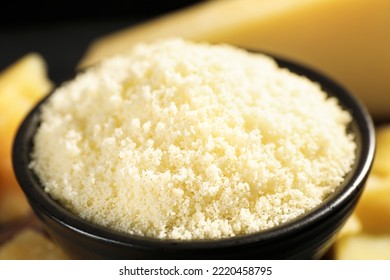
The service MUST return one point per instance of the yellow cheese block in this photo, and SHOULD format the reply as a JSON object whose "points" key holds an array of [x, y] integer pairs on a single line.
{"points": [[31, 245], [352, 226], [348, 40], [373, 209], [381, 166], [363, 247], [22, 84]]}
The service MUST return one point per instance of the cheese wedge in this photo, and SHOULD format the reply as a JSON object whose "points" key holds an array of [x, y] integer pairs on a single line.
{"points": [[348, 40]]}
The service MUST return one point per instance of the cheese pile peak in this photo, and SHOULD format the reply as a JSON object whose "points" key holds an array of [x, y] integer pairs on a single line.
{"points": [[346, 39], [188, 140]]}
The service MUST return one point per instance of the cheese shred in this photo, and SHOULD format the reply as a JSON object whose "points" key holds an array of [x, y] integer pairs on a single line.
{"points": [[184, 140]]}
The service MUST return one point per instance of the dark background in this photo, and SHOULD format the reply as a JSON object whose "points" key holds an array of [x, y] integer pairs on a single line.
{"points": [[61, 30]]}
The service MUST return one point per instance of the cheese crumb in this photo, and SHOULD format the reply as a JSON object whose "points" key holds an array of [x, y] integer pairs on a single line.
{"points": [[184, 140]]}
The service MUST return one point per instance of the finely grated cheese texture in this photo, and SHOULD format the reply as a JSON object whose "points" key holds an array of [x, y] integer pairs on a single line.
{"points": [[184, 140]]}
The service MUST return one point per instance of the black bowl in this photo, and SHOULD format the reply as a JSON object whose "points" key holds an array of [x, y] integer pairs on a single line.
{"points": [[307, 237]]}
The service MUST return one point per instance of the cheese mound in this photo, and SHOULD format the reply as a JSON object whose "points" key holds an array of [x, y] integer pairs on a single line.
{"points": [[184, 140]]}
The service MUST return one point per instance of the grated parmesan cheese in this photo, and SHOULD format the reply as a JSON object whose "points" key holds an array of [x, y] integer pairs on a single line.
{"points": [[185, 140]]}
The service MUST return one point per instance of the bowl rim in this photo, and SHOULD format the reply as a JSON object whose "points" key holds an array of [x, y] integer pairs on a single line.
{"points": [[353, 185]]}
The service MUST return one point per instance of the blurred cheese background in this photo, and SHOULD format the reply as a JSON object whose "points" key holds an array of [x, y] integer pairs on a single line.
{"points": [[349, 40]]}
